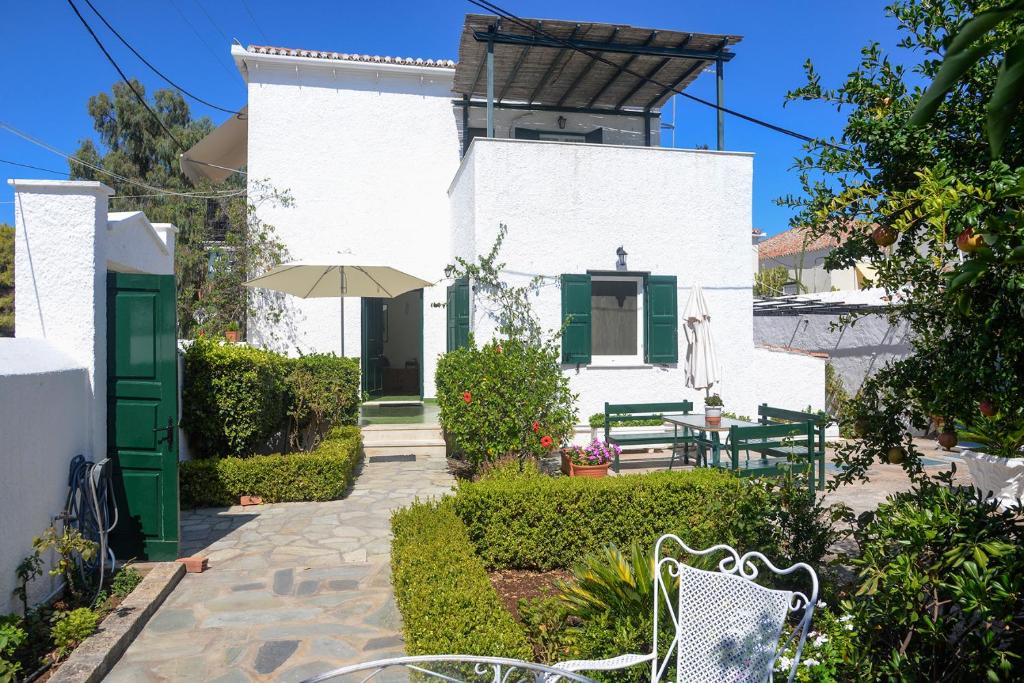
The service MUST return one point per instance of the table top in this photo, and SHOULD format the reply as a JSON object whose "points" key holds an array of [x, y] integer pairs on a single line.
{"points": [[698, 421]]}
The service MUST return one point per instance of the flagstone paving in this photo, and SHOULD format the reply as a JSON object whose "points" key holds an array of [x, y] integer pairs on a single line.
{"points": [[293, 589]]}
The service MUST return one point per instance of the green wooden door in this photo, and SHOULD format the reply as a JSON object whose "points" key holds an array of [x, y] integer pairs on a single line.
{"points": [[142, 410], [373, 346], [457, 311]]}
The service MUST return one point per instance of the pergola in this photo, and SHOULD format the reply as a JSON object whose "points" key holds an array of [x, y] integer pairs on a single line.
{"points": [[553, 65]]}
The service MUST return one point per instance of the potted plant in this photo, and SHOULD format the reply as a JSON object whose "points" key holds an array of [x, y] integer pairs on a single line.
{"points": [[997, 468], [589, 461], [713, 409], [231, 332]]}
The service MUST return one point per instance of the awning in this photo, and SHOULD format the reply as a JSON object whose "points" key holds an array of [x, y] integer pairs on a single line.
{"points": [[217, 155], [537, 66]]}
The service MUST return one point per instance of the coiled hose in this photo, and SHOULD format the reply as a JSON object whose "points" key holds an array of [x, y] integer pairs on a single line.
{"points": [[92, 510]]}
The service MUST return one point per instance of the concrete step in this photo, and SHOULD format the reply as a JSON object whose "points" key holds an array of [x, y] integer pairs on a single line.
{"points": [[418, 439], [419, 449], [377, 435]]}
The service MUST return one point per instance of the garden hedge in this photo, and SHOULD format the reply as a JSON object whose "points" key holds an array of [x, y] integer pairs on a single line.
{"points": [[320, 475], [550, 522], [447, 602]]}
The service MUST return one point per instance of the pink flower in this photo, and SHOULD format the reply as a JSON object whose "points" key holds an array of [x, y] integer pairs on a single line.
{"points": [[467, 397]]}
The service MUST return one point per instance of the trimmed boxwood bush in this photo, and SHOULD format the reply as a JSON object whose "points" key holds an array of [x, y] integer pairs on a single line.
{"points": [[447, 602], [545, 523], [234, 397], [323, 391], [321, 475]]}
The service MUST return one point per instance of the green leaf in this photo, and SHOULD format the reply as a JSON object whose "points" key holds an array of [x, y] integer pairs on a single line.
{"points": [[1008, 93], [954, 66]]}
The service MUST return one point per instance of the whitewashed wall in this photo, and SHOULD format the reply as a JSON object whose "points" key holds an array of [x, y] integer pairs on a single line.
{"points": [[616, 130], [367, 153], [677, 212], [809, 269]]}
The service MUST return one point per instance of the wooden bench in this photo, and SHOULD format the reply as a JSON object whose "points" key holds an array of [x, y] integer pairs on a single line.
{"points": [[642, 412], [777, 445], [768, 415]]}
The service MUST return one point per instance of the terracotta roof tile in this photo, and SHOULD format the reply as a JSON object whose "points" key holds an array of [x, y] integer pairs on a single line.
{"points": [[793, 241], [346, 57]]}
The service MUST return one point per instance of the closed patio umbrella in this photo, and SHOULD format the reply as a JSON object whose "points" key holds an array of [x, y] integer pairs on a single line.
{"points": [[340, 279], [702, 368]]}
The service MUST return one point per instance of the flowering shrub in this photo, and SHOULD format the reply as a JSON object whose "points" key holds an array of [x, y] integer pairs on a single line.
{"points": [[825, 653], [597, 453], [508, 397]]}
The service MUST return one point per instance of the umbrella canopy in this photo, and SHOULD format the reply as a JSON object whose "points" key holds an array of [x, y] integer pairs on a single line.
{"points": [[338, 279], [702, 369]]}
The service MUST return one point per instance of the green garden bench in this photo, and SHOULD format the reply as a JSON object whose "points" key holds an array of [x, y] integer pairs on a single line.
{"points": [[768, 415], [623, 413], [778, 446]]}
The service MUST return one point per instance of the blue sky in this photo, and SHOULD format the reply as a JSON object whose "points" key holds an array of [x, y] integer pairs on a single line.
{"points": [[51, 66]]}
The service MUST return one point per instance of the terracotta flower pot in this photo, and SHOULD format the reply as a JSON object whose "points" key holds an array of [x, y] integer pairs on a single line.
{"points": [[231, 336], [713, 415], [569, 468]]}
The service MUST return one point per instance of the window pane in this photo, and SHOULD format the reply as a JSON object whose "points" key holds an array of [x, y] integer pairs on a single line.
{"points": [[613, 317]]}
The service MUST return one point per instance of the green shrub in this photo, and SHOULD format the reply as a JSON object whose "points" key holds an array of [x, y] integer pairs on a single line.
{"points": [[321, 475], [597, 422], [12, 635], [125, 581], [234, 397], [71, 628], [490, 399], [545, 523], [941, 580], [447, 602], [323, 391], [548, 628]]}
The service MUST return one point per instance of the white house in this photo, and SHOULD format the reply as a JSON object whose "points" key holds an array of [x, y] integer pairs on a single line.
{"points": [[803, 258], [414, 162]]}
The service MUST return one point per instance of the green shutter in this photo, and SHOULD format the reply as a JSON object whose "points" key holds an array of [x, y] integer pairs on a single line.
{"points": [[458, 314], [576, 317], [661, 320]]}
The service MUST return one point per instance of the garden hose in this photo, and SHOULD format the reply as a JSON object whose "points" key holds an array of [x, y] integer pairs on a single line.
{"points": [[91, 509]]}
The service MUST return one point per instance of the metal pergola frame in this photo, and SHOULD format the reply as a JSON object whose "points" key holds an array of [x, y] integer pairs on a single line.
{"points": [[801, 305], [636, 44]]}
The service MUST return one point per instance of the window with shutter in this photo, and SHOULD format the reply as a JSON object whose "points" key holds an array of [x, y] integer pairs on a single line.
{"points": [[457, 309], [661, 324], [576, 309]]}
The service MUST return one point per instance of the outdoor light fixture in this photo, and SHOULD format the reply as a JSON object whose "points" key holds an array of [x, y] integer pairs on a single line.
{"points": [[621, 263], [561, 122]]}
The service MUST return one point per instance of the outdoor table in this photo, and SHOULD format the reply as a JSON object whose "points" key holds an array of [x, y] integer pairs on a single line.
{"points": [[697, 423]]}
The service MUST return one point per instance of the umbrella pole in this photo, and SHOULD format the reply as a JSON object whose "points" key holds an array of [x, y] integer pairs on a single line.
{"points": [[341, 298]]}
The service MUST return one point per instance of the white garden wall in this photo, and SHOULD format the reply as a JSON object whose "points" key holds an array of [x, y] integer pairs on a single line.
{"points": [[676, 212]]}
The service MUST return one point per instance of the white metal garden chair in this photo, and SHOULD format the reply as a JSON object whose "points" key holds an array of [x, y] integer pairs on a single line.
{"points": [[727, 628]]}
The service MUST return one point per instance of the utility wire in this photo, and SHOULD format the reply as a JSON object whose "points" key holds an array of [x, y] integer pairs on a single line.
{"points": [[34, 168], [505, 14], [212, 22], [202, 40], [161, 190], [138, 96], [254, 22], [155, 70]]}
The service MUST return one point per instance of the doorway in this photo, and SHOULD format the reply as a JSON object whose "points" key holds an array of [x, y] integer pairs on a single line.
{"points": [[392, 347]]}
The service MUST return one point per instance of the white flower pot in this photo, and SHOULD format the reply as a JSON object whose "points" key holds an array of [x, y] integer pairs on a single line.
{"points": [[713, 414], [999, 478]]}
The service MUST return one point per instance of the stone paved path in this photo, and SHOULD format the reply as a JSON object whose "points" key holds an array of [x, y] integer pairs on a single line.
{"points": [[293, 589]]}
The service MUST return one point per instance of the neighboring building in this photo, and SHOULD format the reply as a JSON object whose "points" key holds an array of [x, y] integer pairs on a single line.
{"points": [[804, 259], [394, 160]]}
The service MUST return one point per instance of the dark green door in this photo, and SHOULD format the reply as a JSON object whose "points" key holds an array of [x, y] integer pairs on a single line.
{"points": [[373, 346], [142, 410]]}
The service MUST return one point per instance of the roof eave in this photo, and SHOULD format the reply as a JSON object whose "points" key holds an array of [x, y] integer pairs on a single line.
{"points": [[245, 57]]}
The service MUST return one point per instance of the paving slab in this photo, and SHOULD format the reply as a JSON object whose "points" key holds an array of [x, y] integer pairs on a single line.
{"points": [[293, 589]]}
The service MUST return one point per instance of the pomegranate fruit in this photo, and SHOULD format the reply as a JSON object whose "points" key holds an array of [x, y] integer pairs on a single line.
{"points": [[987, 408], [884, 236], [968, 242], [948, 439], [860, 427], [896, 455]]}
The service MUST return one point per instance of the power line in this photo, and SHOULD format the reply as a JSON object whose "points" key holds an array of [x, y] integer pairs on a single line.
{"points": [[150, 65], [254, 22], [200, 37], [34, 168], [505, 14], [139, 97], [195, 195], [212, 22]]}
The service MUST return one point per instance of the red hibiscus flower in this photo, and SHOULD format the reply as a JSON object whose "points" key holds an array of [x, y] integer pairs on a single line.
{"points": [[546, 441], [536, 426], [467, 397]]}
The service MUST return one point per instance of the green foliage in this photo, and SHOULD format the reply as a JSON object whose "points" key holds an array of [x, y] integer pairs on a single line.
{"points": [[234, 398], [71, 549], [597, 422], [6, 280], [546, 622], [12, 635], [1002, 434], [491, 396], [930, 184], [71, 628], [323, 391], [209, 278], [941, 589], [770, 281], [510, 467], [125, 581], [544, 522], [28, 569], [323, 474], [447, 602], [836, 395], [826, 653], [714, 400]]}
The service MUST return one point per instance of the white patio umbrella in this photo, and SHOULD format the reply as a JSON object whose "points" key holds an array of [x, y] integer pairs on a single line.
{"points": [[339, 279], [702, 368]]}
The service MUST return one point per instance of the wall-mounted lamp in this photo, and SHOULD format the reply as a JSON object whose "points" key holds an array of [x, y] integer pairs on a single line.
{"points": [[561, 122], [620, 264]]}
